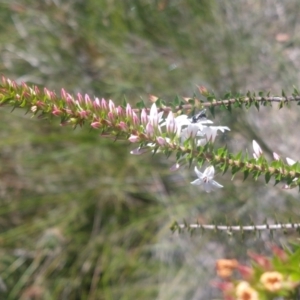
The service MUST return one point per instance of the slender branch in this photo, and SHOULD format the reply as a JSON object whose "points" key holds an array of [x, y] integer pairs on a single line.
{"points": [[250, 99], [228, 102], [238, 227]]}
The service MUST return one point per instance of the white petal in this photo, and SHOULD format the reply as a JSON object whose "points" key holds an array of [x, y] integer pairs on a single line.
{"points": [[207, 187], [209, 172], [290, 161], [199, 174], [153, 110], [216, 184], [197, 182], [223, 128], [175, 167]]}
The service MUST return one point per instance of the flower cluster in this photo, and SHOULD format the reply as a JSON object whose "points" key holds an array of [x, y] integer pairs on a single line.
{"points": [[177, 131], [266, 279], [161, 128]]}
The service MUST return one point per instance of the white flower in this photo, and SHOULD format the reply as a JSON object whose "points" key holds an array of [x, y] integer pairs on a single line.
{"points": [[190, 131], [206, 178], [257, 150], [211, 132]]}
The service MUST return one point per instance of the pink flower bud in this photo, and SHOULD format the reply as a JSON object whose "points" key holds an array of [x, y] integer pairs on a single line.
{"points": [[129, 111], [123, 126], [63, 94], [97, 103], [144, 117], [36, 90], [135, 119], [87, 100], [134, 138], [171, 124], [149, 130], [153, 98], [111, 106], [56, 111], [96, 125], [40, 104], [83, 114], [79, 98], [47, 93], [111, 117], [245, 271], [281, 254], [69, 99], [161, 141], [119, 111], [276, 156], [104, 104], [261, 260]]}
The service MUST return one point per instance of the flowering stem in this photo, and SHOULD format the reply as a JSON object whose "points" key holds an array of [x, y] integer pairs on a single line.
{"points": [[124, 123]]}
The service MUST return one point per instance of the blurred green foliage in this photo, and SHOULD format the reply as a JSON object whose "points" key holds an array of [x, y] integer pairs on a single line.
{"points": [[82, 219]]}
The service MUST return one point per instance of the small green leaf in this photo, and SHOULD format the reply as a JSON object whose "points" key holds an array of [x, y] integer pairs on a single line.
{"points": [[160, 102], [176, 101], [229, 107], [192, 101], [140, 104], [237, 103], [267, 177], [223, 106], [235, 169], [256, 174], [227, 96], [212, 110], [124, 102], [296, 92], [224, 168], [246, 174], [238, 156], [178, 155]]}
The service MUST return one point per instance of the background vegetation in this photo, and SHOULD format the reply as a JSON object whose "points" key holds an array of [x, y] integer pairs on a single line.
{"points": [[80, 218]]}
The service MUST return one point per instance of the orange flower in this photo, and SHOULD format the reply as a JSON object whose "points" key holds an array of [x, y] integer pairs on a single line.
{"points": [[244, 291], [225, 267], [272, 281]]}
